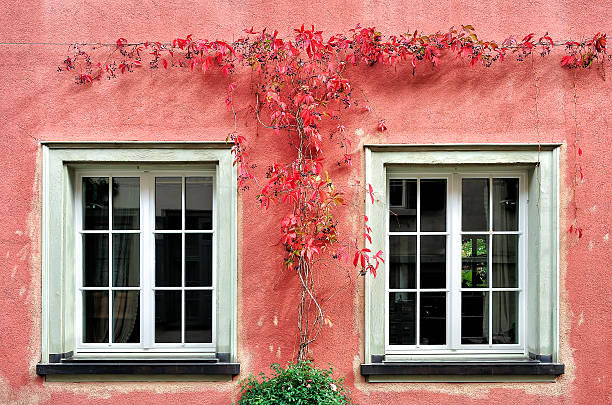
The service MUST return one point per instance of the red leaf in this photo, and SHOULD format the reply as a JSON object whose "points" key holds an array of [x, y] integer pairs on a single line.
{"points": [[381, 126], [579, 232], [121, 42], [250, 31], [226, 70], [378, 256], [371, 192], [571, 229], [368, 237], [356, 259], [165, 63], [579, 152]]}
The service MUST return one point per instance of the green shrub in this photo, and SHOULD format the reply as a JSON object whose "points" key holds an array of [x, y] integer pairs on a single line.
{"points": [[300, 383]]}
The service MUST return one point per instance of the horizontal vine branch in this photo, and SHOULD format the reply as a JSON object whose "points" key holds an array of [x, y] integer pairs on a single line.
{"points": [[301, 88]]}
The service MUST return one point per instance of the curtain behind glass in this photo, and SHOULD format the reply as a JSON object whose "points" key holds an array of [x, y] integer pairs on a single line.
{"points": [[505, 261]]}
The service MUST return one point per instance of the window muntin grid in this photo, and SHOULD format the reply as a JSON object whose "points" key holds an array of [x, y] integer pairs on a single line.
{"points": [[147, 288], [453, 276]]}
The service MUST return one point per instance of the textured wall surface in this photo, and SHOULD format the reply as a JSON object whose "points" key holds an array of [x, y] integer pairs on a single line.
{"points": [[453, 103]]}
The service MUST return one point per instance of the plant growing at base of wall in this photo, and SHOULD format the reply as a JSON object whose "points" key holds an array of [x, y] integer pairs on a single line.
{"points": [[300, 92], [299, 383]]}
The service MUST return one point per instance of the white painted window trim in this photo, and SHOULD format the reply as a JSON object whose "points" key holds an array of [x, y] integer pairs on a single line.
{"points": [[453, 264], [60, 162], [541, 163]]}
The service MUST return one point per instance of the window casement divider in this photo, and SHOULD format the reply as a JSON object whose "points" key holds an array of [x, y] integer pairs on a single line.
{"points": [[455, 257], [110, 261], [490, 262], [418, 265], [183, 257], [148, 245]]}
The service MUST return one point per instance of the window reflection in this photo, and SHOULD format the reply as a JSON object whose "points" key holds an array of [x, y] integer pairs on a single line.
{"points": [[95, 316], [198, 202], [505, 204], [95, 203], [198, 316], [402, 266], [475, 204], [168, 316], [168, 203], [198, 260], [126, 317], [402, 316], [433, 318], [126, 203], [402, 205], [474, 261], [433, 205], [474, 317]]}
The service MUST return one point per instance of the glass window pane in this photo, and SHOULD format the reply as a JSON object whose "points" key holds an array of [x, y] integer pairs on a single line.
{"points": [[402, 266], [168, 257], [95, 203], [505, 204], [198, 202], [505, 317], [198, 260], [95, 260], [402, 205], [126, 317], [198, 316], [126, 260], [474, 317], [433, 205], [475, 204], [168, 316], [433, 261], [504, 261], [95, 316], [474, 261], [433, 318], [402, 315], [168, 203], [126, 203]]}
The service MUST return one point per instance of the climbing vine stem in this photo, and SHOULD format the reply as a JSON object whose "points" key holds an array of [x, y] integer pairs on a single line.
{"points": [[301, 89]]}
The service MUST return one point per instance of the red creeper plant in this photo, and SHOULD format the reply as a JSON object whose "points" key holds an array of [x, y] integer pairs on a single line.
{"points": [[301, 88]]}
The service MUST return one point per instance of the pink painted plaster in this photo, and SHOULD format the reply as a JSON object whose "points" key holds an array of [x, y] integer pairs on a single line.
{"points": [[454, 103]]}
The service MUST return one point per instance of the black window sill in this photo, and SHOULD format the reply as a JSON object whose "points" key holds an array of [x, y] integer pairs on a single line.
{"points": [[467, 368], [132, 367]]}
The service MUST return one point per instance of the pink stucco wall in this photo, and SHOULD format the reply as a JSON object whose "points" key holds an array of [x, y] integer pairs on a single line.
{"points": [[454, 103]]}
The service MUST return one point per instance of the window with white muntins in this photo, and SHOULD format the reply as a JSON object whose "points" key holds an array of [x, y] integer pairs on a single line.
{"points": [[145, 258], [139, 258], [455, 256], [470, 283]]}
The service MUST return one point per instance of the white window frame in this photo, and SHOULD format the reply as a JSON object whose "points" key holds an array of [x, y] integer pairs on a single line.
{"points": [[147, 287], [540, 163], [453, 287], [61, 161]]}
